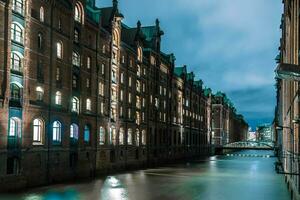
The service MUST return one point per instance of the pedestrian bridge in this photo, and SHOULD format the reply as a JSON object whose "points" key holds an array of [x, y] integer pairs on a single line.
{"points": [[253, 145]]}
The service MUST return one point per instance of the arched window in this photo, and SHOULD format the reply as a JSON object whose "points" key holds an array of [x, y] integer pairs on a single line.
{"points": [[115, 37], [40, 41], [102, 136], [86, 134], [75, 59], [121, 136], [88, 105], [59, 50], [113, 136], [140, 54], [14, 127], [75, 104], [38, 130], [129, 136], [88, 62], [79, 13], [16, 62], [74, 131], [39, 93], [42, 17], [143, 137], [15, 92], [58, 98], [18, 6], [17, 33], [56, 131], [137, 137]]}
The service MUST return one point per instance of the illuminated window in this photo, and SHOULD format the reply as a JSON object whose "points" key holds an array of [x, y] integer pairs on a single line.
{"points": [[103, 49], [58, 98], [75, 59], [113, 136], [17, 33], [78, 13], [122, 77], [86, 136], [75, 104], [102, 136], [138, 70], [88, 62], [102, 69], [88, 105], [129, 136], [39, 93], [140, 54], [56, 131], [101, 107], [74, 131], [59, 50], [42, 17], [121, 95], [137, 137], [129, 81], [138, 86], [18, 6], [121, 136], [138, 102], [57, 75], [76, 35], [14, 127], [143, 137], [15, 92], [101, 89], [38, 130], [129, 97], [16, 62]]}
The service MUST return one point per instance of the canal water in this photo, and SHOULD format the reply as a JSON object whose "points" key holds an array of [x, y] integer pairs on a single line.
{"points": [[244, 175]]}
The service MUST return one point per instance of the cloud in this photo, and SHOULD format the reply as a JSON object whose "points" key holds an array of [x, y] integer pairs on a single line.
{"points": [[230, 44]]}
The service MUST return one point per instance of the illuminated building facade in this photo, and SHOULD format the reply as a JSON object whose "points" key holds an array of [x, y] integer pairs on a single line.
{"points": [[286, 122], [83, 94]]}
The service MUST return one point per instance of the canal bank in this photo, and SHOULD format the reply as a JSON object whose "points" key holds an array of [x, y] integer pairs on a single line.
{"points": [[231, 177]]}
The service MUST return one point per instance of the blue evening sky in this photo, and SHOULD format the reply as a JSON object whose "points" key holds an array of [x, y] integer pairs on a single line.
{"points": [[229, 44]]}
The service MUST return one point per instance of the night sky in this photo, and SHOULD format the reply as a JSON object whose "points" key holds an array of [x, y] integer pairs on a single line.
{"points": [[229, 44]]}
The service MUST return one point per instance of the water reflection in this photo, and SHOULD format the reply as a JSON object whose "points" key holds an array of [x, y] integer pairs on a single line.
{"points": [[113, 189], [231, 177]]}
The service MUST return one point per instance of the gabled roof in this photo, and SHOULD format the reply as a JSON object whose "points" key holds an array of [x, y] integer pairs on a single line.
{"points": [[179, 71], [207, 91], [110, 12], [190, 76]]}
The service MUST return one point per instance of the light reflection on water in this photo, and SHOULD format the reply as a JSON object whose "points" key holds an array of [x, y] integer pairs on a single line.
{"points": [[219, 177], [113, 189]]}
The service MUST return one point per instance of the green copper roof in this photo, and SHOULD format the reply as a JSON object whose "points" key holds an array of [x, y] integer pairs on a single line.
{"points": [[178, 71], [190, 76], [207, 91]]}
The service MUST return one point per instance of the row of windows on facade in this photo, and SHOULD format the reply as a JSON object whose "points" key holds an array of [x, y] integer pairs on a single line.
{"points": [[38, 133], [19, 6], [16, 95]]}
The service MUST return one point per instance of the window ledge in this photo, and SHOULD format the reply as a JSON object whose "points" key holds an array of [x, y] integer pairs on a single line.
{"points": [[37, 144]]}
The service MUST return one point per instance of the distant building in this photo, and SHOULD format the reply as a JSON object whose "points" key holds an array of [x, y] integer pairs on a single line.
{"points": [[264, 133], [227, 125]]}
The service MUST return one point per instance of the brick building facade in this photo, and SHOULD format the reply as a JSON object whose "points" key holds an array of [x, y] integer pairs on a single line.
{"points": [[81, 94]]}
